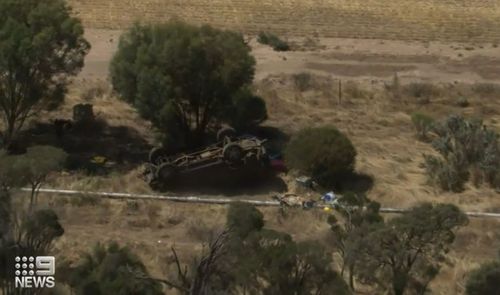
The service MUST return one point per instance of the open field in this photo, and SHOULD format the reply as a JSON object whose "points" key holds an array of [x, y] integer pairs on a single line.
{"points": [[301, 89], [447, 20]]}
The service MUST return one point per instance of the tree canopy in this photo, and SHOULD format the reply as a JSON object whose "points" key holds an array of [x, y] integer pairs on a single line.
{"points": [[31, 168], [41, 44], [324, 153], [109, 269], [183, 78], [407, 251]]}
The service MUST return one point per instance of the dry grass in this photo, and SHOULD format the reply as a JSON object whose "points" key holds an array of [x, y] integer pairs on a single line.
{"points": [[472, 20], [379, 126]]}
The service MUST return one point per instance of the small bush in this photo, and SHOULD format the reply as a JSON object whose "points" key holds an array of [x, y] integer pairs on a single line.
{"points": [[353, 90], [243, 219], [274, 41], [422, 123], [323, 153], [302, 81], [423, 92], [96, 90], [484, 280], [462, 102]]}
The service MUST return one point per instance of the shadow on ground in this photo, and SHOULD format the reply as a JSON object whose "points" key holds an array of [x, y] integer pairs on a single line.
{"points": [[226, 181], [354, 182], [276, 139], [123, 148]]}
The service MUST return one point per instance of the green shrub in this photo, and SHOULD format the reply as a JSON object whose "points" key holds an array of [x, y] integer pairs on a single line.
{"points": [[464, 146], [243, 219], [484, 280], [324, 153], [109, 269], [274, 41], [449, 175], [462, 102], [422, 123]]}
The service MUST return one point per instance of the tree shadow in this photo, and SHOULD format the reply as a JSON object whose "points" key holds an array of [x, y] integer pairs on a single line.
{"points": [[223, 180], [276, 139], [354, 182], [120, 147]]}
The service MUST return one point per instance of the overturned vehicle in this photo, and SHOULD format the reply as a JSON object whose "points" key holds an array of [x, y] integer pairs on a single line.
{"points": [[230, 151]]}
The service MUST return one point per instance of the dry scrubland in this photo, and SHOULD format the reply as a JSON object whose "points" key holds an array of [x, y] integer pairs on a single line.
{"points": [[297, 95], [438, 76], [451, 20]]}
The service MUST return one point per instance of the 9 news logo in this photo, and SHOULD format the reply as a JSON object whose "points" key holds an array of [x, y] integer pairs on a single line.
{"points": [[35, 272]]}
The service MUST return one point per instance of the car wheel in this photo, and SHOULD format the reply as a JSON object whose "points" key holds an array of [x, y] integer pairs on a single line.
{"points": [[225, 132], [233, 154]]}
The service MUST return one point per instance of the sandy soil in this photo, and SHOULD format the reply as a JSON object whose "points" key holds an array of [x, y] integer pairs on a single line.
{"points": [[379, 126], [347, 58]]}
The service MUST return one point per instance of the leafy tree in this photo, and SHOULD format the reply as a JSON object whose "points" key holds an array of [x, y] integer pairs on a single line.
{"points": [[41, 44], [256, 260], [182, 77], [271, 262], [358, 213], [407, 252], [21, 234], [109, 270], [247, 110], [324, 153], [204, 274], [33, 167], [27, 235], [286, 267], [484, 280], [243, 219]]}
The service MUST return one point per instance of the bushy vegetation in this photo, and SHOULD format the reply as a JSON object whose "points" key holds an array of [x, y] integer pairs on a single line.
{"points": [[324, 153], [422, 123], [486, 89], [244, 219], [274, 41], [402, 254], [31, 168], [484, 280], [422, 91], [264, 261], [22, 234], [465, 146], [109, 269], [41, 44], [183, 78], [247, 110]]}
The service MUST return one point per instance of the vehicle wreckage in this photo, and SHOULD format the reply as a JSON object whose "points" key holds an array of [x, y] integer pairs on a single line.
{"points": [[234, 152]]}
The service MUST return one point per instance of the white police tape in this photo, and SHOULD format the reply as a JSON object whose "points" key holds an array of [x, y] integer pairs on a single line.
{"points": [[206, 200]]}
